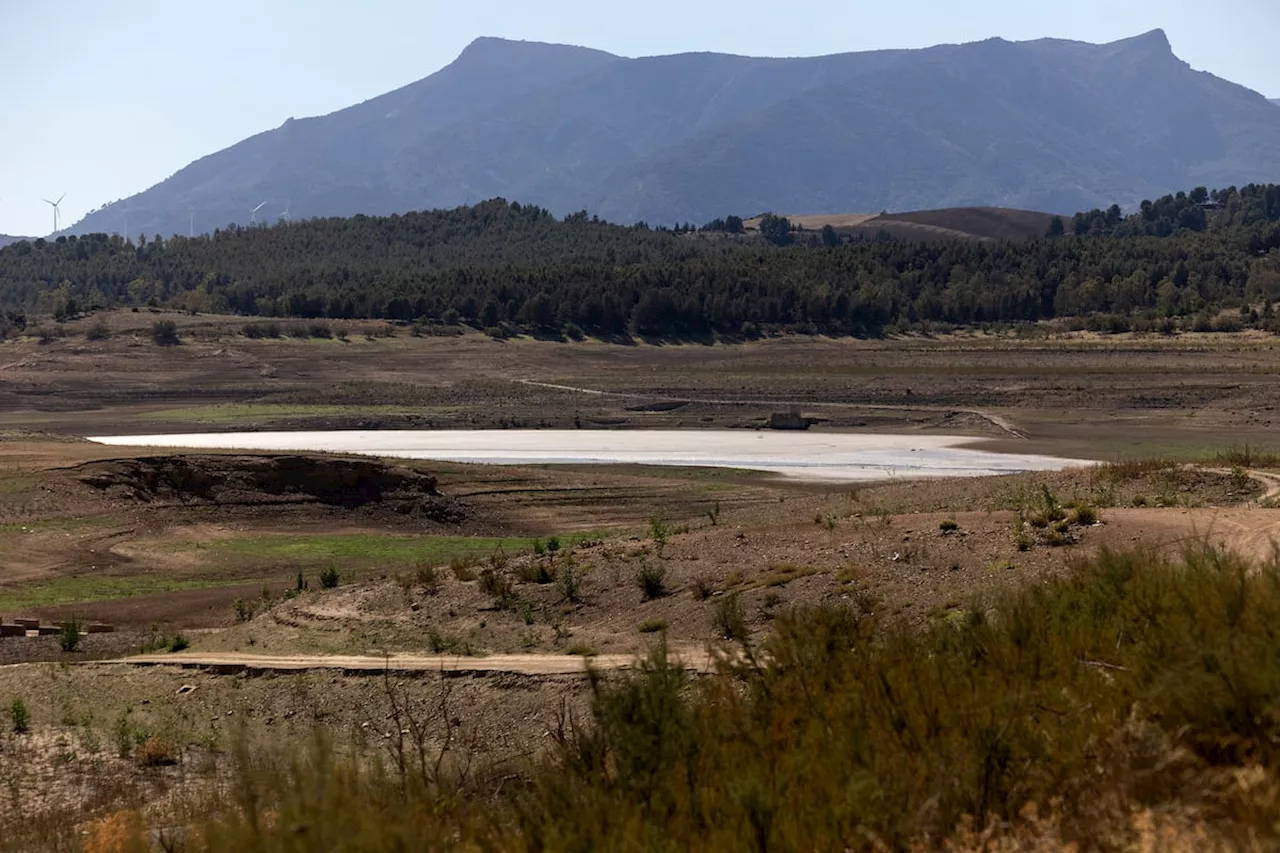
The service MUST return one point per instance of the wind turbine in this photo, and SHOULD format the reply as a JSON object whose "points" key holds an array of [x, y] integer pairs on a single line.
{"points": [[54, 205], [253, 214], [285, 215]]}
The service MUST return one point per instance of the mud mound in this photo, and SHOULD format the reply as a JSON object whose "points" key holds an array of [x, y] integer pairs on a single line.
{"points": [[260, 480]]}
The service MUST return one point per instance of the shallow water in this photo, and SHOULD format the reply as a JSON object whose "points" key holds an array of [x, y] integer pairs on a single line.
{"points": [[803, 455]]}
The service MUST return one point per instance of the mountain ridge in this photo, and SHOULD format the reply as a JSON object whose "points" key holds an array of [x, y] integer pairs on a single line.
{"points": [[1048, 124]]}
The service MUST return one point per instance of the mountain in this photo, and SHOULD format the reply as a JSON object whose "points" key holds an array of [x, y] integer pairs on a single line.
{"points": [[1049, 124], [1276, 101], [5, 239]]}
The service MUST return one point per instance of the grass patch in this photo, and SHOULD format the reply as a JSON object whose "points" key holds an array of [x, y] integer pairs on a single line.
{"points": [[84, 589], [224, 413], [367, 550]]}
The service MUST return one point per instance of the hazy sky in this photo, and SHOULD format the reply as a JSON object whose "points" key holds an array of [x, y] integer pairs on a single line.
{"points": [[104, 98]]}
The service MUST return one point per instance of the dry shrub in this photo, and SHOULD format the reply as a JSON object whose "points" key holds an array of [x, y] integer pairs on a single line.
{"points": [[156, 751], [120, 832]]}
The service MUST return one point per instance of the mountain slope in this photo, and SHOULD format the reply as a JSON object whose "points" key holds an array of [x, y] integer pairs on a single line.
{"points": [[1048, 124], [5, 239]]}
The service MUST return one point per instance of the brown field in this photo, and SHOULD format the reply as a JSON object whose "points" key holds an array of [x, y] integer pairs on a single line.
{"points": [[730, 551], [982, 223]]}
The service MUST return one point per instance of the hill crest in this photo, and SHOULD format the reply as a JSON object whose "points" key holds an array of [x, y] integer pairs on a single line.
{"points": [[1049, 124]]}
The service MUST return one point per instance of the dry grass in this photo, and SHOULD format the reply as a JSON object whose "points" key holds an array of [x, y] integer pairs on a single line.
{"points": [[1135, 702]]}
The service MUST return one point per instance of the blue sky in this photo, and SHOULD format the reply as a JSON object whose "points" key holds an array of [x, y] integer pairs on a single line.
{"points": [[104, 98]]}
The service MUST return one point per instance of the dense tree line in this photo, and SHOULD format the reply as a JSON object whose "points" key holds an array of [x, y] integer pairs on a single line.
{"points": [[509, 267]]}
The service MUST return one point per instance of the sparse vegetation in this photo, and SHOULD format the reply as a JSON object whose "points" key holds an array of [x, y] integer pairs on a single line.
{"points": [[99, 331], [652, 580], [165, 333], [728, 618], [948, 525], [659, 532], [653, 626], [19, 717], [569, 584], [428, 579]]}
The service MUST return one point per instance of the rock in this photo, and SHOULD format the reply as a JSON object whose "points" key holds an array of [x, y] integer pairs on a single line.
{"points": [[267, 479]]}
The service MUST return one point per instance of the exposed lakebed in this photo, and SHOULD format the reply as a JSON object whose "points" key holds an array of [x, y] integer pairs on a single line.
{"points": [[824, 456]]}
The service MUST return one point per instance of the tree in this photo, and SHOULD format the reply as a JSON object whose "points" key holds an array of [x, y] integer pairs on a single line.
{"points": [[830, 238], [1056, 228], [775, 229]]}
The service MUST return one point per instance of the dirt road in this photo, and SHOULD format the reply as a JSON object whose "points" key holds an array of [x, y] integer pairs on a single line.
{"points": [[524, 664]]}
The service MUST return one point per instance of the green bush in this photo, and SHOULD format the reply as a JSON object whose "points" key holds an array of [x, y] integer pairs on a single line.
{"points": [[19, 717], [652, 580], [69, 635], [179, 643], [660, 532], [165, 333], [329, 578], [569, 584], [728, 619]]}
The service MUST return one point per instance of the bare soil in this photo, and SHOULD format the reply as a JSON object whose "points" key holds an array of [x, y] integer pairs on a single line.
{"points": [[162, 545]]}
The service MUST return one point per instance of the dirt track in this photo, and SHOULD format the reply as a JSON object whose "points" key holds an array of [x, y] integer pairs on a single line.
{"points": [[523, 664]]}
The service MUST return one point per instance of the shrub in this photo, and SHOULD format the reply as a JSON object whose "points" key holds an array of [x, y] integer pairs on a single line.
{"points": [[19, 717], [652, 580], [179, 643], [243, 610], [463, 569], [539, 549], [165, 333], [553, 544], [99, 331], [69, 635], [1085, 515], [428, 578], [660, 532], [328, 578], [537, 571], [728, 618], [496, 584], [569, 584], [703, 588], [156, 752], [948, 525], [653, 626]]}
